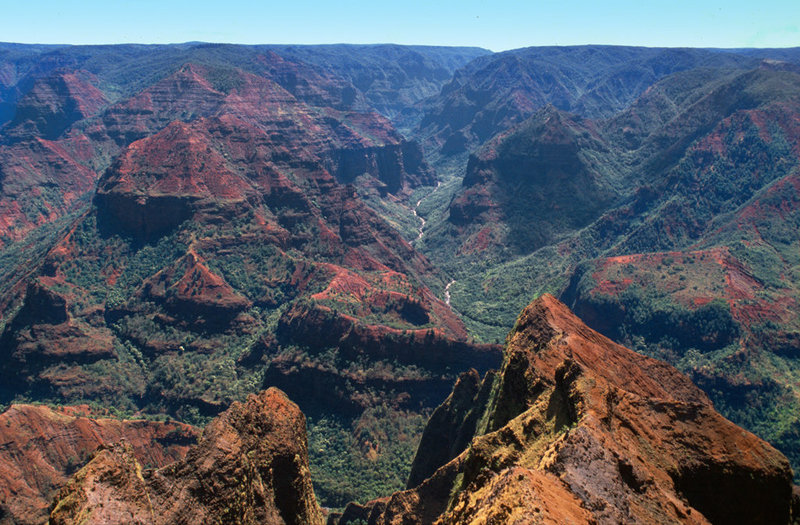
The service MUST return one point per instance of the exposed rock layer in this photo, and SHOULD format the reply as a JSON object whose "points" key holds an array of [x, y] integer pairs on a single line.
{"points": [[42, 447], [579, 429], [250, 466]]}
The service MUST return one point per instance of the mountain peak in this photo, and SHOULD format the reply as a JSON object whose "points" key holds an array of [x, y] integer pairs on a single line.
{"points": [[250, 465], [54, 103], [577, 427], [558, 335]]}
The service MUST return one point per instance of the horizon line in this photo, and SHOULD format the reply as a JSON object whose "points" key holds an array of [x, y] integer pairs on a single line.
{"points": [[376, 44]]}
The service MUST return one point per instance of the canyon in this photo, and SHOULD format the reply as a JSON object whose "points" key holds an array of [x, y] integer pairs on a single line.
{"points": [[186, 229]]}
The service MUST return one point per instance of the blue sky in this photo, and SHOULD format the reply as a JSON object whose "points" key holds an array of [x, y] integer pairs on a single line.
{"points": [[496, 25]]}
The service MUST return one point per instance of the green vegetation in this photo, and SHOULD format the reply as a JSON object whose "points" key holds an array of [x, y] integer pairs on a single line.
{"points": [[399, 215], [701, 162], [363, 459], [674, 193], [651, 318], [16, 255], [261, 272], [178, 347], [707, 195]]}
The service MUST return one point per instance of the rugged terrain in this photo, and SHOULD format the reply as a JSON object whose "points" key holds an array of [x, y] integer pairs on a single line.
{"points": [[394, 79], [203, 221], [670, 227], [43, 447], [225, 249], [577, 429], [249, 466], [494, 92]]}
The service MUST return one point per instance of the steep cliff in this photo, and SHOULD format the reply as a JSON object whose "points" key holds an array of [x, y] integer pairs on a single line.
{"points": [[42, 447], [580, 429], [250, 466], [669, 227], [54, 103], [393, 78], [220, 256]]}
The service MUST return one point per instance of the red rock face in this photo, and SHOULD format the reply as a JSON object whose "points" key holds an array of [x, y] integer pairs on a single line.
{"points": [[66, 134], [692, 255], [315, 87], [43, 447], [419, 374], [250, 466], [153, 185], [225, 166], [581, 428], [255, 223], [54, 103], [262, 145], [296, 108], [197, 292], [691, 279], [41, 182], [286, 131], [43, 176]]}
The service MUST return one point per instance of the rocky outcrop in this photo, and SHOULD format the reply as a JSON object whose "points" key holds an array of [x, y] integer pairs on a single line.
{"points": [[451, 426], [256, 149], [66, 133], [250, 466], [40, 181], [196, 233], [156, 183], [45, 335], [54, 103], [580, 429], [42, 447], [411, 368], [113, 469], [704, 163], [189, 289], [303, 111], [42, 305], [396, 165], [184, 95], [317, 327]]}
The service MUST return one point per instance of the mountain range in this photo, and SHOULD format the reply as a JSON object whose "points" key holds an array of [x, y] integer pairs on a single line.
{"points": [[359, 227], [669, 227]]}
